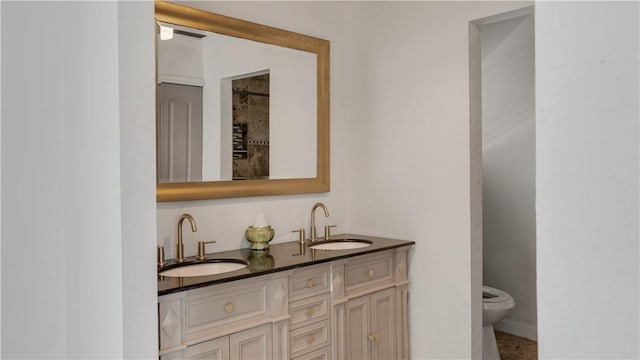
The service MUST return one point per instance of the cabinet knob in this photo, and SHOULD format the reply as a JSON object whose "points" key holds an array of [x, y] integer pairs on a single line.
{"points": [[228, 308], [310, 283], [309, 340], [371, 338], [310, 311], [376, 336], [371, 273]]}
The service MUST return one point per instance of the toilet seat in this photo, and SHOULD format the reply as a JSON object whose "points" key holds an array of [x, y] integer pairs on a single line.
{"points": [[495, 307], [498, 300]]}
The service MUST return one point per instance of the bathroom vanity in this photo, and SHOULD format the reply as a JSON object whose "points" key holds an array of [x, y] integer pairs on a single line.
{"points": [[292, 302]]}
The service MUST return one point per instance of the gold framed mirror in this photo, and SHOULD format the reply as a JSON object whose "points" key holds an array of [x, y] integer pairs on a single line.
{"points": [[200, 20]]}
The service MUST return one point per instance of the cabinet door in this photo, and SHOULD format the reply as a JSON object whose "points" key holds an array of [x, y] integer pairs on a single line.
{"points": [[383, 324], [216, 349], [251, 344], [357, 342]]}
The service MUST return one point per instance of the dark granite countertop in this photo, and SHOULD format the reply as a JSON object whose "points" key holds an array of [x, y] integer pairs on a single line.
{"points": [[279, 257]]}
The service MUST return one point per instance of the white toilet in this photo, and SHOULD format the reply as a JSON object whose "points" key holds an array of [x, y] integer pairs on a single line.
{"points": [[495, 306]]}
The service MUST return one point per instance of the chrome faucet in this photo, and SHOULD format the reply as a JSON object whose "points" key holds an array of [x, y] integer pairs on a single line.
{"points": [[312, 236], [179, 245]]}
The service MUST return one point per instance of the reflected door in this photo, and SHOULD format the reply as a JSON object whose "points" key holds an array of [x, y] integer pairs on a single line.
{"points": [[179, 137]]}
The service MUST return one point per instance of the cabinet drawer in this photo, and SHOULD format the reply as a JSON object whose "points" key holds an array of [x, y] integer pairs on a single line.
{"points": [[309, 310], [211, 310], [309, 338], [368, 272], [322, 354], [308, 282]]}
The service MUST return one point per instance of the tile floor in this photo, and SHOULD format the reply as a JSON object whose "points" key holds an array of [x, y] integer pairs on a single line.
{"points": [[512, 347]]}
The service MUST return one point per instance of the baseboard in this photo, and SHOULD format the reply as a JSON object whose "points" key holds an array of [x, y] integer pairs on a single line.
{"points": [[517, 328]]}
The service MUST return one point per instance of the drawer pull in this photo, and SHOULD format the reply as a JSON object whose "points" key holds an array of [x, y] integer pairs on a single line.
{"points": [[310, 283], [310, 311], [228, 308], [371, 273], [309, 340]]}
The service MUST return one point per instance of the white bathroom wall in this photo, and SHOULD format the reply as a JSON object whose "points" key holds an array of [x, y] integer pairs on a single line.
{"points": [[226, 220], [138, 178], [508, 161], [63, 179], [180, 60], [409, 156], [33, 248], [587, 163], [91, 173], [0, 186]]}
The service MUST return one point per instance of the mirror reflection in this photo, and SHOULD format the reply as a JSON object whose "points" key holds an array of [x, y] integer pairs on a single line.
{"points": [[233, 109], [201, 148]]}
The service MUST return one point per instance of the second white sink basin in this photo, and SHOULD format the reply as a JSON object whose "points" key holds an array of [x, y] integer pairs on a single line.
{"points": [[204, 268], [343, 244]]}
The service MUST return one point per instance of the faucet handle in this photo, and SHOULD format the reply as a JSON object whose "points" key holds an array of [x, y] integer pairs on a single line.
{"points": [[302, 235], [201, 252], [300, 241], [327, 231], [161, 260]]}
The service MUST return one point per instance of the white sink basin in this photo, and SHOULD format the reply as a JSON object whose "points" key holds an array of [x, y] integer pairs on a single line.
{"points": [[345, 244], [203, 269]]}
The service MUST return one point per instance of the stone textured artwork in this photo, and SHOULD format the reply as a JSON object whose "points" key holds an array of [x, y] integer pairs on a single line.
{"points": [[251, 127]]}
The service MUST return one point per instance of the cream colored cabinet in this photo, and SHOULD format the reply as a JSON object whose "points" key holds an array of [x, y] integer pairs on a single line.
{"points": [[322, 354], [250, 344], [309, 308], [350, 308], [370, 321], [245, 319], [370, 306], [217, 349]]}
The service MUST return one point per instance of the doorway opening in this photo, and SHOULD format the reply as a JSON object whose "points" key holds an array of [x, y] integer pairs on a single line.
{"points": [[502, 95], [250, 101]]}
